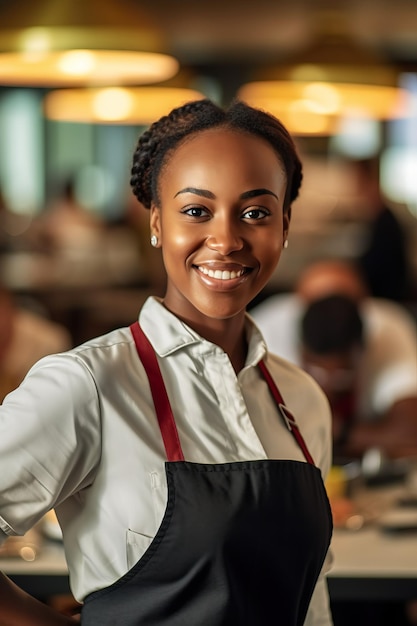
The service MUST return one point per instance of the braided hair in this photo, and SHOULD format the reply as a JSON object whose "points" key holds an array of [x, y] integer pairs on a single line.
{"points": [[163, 136]]}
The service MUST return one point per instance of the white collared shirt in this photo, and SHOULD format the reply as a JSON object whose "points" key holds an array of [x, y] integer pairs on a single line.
{"points": [[80, 434]]}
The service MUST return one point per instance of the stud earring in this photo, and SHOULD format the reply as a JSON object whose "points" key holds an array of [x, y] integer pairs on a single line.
{"points": [[286, 243], [154, 241]]}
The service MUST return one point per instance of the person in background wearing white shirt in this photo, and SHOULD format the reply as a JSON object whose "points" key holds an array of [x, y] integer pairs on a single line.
{"points": [[181, 475], [386, 370]]}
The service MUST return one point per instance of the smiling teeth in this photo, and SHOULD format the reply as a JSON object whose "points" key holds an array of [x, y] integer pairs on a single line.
{"points": [[221, 274]]}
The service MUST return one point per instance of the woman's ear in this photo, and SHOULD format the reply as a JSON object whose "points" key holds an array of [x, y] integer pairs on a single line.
{"points": [[155, 221], [286, 218]]}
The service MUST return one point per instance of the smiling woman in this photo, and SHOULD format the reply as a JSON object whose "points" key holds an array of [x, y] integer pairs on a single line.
{"points": [[169, 441], [220, 244]]}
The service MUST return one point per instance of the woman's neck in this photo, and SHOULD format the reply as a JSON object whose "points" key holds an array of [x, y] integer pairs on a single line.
{"points": [[233, 341], [229, 334]]}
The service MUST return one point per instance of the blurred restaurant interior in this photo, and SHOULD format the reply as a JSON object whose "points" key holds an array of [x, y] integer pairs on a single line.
{"points": [[324, 58], [74, 243]]}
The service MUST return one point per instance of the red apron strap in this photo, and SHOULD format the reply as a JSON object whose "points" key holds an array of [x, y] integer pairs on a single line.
{"points": [[161, 401], [285, 413], [163, 409]]}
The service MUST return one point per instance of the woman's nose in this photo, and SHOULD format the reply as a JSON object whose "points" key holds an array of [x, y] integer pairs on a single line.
{"points": [[225, 237]]}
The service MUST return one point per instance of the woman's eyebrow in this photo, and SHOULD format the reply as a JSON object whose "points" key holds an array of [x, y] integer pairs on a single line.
{"points": [[253, 193], [205, 193]]}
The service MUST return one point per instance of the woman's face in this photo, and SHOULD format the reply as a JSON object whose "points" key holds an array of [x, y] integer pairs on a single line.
{"points": [[220, 223]]}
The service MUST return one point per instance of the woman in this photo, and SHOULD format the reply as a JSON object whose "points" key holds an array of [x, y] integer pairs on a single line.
{"points": [[185, 492]]}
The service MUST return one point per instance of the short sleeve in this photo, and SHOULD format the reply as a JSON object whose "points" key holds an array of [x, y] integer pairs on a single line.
{"points": [[49, 440]]}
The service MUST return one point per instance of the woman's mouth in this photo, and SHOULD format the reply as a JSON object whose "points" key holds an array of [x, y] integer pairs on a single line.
{"points": [[222, 274]]}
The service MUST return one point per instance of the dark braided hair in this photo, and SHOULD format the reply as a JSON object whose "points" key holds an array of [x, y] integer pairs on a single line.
{"points": [[165, 134]]}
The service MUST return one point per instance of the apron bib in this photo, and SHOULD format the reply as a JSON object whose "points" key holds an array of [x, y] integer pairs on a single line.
{"points": [[240, 544]]}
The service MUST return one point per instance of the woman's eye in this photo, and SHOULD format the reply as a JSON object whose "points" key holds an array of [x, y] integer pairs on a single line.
{"points": [[255, 213], [195, 211]]}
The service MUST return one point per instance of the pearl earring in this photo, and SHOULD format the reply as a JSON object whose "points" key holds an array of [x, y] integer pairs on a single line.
{"points": [[154, 241], [286, 243]]}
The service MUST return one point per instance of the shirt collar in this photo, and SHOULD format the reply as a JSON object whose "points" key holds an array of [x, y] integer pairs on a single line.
{"points": [[167, 333]]}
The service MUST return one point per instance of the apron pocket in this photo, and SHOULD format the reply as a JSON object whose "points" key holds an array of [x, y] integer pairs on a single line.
{"points": [[136, 546]]}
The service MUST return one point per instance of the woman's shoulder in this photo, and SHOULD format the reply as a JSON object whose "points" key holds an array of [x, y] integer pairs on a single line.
{"points": [[292, 376], [309, 406], [83, 366], [307, 402]]}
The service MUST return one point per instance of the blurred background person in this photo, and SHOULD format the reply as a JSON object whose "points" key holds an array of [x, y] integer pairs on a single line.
{"points": [[363, 347], [334, 352], [331, 344], [12, 227], [25, 337], [66, 227], [385, 256], [72, 236]]}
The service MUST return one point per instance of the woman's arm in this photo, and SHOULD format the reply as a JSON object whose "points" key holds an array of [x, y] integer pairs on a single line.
{"points": [[319, 612], [17, 608]]}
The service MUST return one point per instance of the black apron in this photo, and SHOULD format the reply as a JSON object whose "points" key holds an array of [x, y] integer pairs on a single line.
{"points": [[240, 544]]}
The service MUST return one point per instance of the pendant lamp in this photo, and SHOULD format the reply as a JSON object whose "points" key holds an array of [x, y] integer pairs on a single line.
{"points": [[116, 105], [333, 77], [74, 43]]}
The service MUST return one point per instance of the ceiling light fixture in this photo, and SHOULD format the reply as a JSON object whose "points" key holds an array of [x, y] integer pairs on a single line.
{"points": [[74, 43], [116, 105], [331, 79]]}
